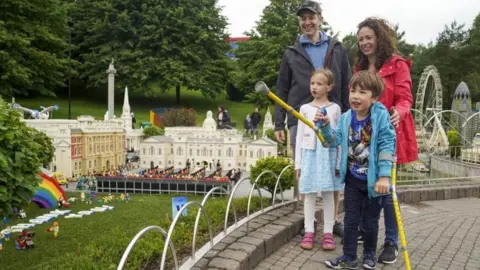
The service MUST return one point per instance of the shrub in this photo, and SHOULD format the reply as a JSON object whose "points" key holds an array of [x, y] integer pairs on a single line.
{"points": [[276, 165], [454, 143], [23, 151], [180, 117], [152, 131], [270, 134], [46, 155]]}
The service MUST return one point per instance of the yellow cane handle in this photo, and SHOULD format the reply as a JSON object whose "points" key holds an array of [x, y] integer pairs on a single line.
{"points": [[261, 87]]}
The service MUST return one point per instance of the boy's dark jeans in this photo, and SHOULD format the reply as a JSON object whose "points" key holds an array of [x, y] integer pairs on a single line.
{"points": [[391, 229], [354, 196]]}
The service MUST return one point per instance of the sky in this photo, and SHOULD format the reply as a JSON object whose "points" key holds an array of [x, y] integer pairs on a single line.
{"points": [[422, 20]]}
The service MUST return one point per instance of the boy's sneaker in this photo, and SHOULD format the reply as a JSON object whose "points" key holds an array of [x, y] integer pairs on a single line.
{"points": [[389, 253], [338, 228], [302, 232], [342, 262], [369, 262], [307, 241], [360, 237]]}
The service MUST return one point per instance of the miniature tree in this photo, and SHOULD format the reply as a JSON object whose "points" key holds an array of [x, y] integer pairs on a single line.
{"points": [[23, 151], [180, 117], [268, 181], [454, 143], [152, 131]]}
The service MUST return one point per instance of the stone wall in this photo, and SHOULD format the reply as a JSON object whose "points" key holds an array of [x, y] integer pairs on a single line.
{"points": [[454, 168], [270, 231]]}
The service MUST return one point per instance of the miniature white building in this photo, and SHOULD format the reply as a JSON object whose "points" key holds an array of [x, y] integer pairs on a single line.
{"points": [[268, 123], [86, 144], [204, 145]]}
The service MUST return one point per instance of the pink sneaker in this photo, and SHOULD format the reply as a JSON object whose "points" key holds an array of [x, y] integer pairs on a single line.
{"points": [[328, 243], [307, 241]]}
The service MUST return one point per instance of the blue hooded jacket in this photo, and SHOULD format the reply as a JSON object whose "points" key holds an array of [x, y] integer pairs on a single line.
{"points": [[382, 144]]}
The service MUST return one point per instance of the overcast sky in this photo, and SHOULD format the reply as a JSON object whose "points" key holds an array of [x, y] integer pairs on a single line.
{"points": [[422, 20]]}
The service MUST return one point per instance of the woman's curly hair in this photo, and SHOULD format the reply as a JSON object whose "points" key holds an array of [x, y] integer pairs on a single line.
{"points": [[386, 42]]}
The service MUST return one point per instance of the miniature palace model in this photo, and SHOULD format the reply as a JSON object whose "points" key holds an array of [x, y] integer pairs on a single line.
{"points": [[187, 159]]}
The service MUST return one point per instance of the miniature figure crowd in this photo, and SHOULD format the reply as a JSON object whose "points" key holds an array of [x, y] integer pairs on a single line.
{"points": [[365, 123]]}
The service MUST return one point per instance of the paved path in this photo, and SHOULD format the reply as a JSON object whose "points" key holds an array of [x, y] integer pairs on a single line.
{"points": [[440, 235]]}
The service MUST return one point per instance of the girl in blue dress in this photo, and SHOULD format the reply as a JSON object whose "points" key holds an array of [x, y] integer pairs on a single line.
{"points": [[315, 165]]}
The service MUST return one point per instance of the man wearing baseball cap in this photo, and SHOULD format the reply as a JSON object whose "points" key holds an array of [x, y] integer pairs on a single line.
{"points": [[313, 50]]}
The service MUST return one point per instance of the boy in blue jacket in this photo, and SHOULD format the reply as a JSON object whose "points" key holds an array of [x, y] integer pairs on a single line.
{"points": [[367, 140]]}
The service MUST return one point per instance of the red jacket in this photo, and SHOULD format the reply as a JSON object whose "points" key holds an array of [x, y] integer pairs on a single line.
{"points": [[398, 93]]}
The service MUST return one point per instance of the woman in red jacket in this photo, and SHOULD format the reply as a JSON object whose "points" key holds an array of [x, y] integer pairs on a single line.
{"points": [[377, 52]]}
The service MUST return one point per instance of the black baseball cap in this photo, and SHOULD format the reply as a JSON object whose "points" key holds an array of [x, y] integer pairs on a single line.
{"points": [[310, 5]]}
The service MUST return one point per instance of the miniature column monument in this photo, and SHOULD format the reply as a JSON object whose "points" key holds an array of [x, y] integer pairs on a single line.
{"points": [[111, 94]]}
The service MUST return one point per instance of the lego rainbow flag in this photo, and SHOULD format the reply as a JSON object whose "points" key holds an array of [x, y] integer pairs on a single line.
{"points": [[48, 192]]}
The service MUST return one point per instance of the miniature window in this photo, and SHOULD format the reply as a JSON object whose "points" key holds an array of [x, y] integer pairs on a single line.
{"points": [[159, 151]]}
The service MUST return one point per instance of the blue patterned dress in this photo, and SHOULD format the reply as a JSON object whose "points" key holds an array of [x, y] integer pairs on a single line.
{"points": [[317, 172]]}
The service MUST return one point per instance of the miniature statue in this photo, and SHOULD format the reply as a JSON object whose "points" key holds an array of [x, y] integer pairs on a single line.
{"points": [[82, 196], [62, 203], [20, 243], [26, 240], [1, 240], [55, 228], [23, 214], [127, 198], [6, 233]]}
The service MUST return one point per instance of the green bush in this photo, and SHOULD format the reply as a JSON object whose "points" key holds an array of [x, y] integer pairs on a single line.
{"points": [[180, 117], [276, 165], [46, 155], [454, 143], [270, 134], [23, 151], [152, 131]]}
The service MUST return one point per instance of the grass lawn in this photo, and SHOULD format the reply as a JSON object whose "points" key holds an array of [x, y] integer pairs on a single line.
{"points": [[142, 106], [99, 240]]}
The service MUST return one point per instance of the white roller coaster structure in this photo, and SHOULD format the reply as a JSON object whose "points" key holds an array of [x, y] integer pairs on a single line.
{"points": [[438, 136]]}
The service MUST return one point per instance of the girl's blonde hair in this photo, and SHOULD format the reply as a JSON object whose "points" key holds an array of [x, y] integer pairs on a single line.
{"points": [[327, 73]]}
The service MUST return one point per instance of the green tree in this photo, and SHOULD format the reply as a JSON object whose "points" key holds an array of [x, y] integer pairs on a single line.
{"points": [[351, 45], [259, 58], [472, 51], [32, 46], [403, 46], [454, 143], [180, 117], [152, 131], [276, 165], [156, 44], [451, 60], [48, 151], [23, 151]]}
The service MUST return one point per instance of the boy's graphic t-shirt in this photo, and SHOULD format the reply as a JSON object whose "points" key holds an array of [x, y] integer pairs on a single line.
{"points": [[359, 137]]}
